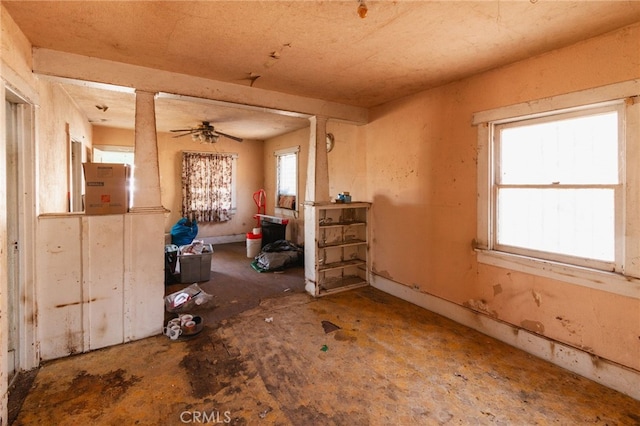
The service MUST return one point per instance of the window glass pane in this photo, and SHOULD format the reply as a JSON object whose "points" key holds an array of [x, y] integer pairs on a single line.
{"points": [[287, 174], [570, 151], [576, 222]]}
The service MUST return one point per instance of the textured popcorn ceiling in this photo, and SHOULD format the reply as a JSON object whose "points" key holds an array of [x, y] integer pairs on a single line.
{"points": [[317, 49]]}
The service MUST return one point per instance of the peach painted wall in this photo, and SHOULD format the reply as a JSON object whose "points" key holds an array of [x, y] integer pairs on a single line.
{"points": [[56, 117], [249, 173], [421, 178], [347, 161], [103, 135]]}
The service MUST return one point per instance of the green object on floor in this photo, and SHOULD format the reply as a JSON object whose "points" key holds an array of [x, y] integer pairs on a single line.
{"points": [[324, 348], [257, 267]]}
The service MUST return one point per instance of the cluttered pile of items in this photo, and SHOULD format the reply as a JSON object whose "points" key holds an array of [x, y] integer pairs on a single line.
{"points": [[187, 260], [180, 303], [267, 244]]}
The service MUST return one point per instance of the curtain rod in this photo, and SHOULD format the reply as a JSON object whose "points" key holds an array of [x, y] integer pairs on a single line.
{"points": [[229, 154]]}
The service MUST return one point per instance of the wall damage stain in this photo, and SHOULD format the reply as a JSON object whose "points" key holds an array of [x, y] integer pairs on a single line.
{"points": [[64, 305], [568, 325], [534, 326], [536, 297], [497, 289], [480, 306], [383, 274]]}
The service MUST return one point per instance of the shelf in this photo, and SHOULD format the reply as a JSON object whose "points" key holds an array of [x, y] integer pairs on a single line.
{"points": [[341, 265], [341, 224], [347, 243], [338, 259], [342, 284]]}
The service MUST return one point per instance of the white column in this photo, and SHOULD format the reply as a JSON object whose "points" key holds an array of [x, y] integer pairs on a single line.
{"points": [[143, 292], [317, 190], [146, 197]]}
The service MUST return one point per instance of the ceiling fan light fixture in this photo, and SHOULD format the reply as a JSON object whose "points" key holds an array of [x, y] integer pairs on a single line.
{"points": [[206, 137]]}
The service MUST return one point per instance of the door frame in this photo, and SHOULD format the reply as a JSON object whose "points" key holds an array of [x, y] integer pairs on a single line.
{"points": [[25, 132]]}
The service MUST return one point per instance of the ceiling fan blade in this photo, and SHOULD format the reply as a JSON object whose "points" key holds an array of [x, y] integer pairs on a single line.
{"points": [[235, 138], [183, 130], [184, 134]]}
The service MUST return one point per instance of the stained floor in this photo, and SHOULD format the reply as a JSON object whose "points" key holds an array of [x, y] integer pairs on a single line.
{"points": [[357, 358]]}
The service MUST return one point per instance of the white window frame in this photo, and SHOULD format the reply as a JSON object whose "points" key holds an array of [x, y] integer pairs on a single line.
{"points": [[625, 279], [279, 153]]}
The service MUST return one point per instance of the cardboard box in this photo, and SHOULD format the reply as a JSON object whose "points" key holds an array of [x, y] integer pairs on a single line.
{"points": [[106, 188]]}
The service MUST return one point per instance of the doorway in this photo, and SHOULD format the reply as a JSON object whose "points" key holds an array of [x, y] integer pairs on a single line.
{"points": [[19, 181], [13, 237]]}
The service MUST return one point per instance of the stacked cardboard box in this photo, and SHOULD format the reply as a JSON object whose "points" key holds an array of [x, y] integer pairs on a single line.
{"points": [[106, 188]]}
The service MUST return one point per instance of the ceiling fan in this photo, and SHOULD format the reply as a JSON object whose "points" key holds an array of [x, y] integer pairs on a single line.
{"points": [[205, 133]]}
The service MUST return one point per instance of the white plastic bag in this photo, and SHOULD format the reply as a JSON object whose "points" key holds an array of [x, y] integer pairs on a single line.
{"points": [[186, 299]]}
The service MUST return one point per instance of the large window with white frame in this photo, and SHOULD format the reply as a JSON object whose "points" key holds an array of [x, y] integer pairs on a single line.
{"points": [[557, 192], [287, 178], [557, 186]]}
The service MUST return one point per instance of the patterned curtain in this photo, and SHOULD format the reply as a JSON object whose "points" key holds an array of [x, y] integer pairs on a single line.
{"points": [[206, 186]]}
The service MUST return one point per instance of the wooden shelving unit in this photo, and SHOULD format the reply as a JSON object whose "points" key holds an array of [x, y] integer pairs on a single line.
{"points": [[336, 247]]}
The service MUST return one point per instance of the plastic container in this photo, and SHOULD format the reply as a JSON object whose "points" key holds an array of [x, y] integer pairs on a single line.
{"points": [[195, 268], [254, 244], [273, 232]]}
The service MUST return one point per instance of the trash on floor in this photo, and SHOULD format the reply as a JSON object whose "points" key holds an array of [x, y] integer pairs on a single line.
{"points": [[324, 348], [194, 262], [329, 327], [186, 299], [278, 255], [270, 319], [170, 263], [182, 326], [184, 231]]}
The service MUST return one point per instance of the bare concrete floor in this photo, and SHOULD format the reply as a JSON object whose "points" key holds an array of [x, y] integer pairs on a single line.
{"points": [[389, 362]]}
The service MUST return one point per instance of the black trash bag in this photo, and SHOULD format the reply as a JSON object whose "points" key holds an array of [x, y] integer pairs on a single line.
{"points": [[170, 261], [184, 232], [279, 255]]}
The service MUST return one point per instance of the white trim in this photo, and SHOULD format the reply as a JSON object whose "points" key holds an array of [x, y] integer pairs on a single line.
{"points": [[600, 280], [605, 372], [224, 239], [570, 100], [285, 151], [16, 90], [277, 154]]}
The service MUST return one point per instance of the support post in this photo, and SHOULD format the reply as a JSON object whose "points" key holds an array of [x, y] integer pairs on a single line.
{"points": [[146, 197], [317, 190]]}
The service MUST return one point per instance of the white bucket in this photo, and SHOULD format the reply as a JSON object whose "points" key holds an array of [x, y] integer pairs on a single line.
{"points": [[254, 244]]}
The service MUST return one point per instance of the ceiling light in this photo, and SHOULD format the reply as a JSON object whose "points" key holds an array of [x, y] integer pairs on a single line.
{"points": [[362, 9], [204, 137]]}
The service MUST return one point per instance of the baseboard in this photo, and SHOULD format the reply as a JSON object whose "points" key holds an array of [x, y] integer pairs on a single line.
{"points": [[224, 239], [605, 372], [236, 238]]}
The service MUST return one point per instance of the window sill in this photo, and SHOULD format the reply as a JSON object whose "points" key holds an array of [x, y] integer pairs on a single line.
{"points": [[280, 211], [600, 280]]}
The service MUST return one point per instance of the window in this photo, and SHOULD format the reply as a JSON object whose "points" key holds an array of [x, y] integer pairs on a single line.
{"points": [[557, 186], [555, 195], [208, 186], [287, 178]]}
